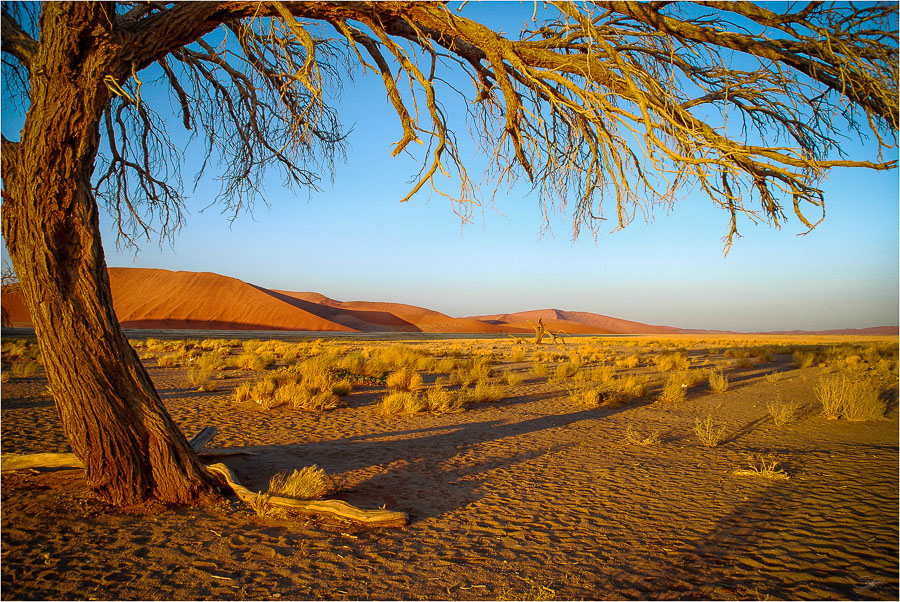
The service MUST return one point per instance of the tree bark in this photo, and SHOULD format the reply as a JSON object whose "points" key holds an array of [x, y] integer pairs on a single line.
{"points": [[109, 409]]}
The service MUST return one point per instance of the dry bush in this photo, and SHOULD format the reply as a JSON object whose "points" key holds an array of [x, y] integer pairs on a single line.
{"points": [[805, 358], [252, 361], [773, 377], [210, 361], [566, 370], [24, 368], [632, 361], [539, 370], [484, 392], [517, 355], [766, 468], [855, 400], [667, 362], [718, 382], [635, 438], [589, 397], [707, 432], [402, 403], [405, 379], [242, 393], [439, 400], [5, 377], [783, 412], [307, 483], [514, 379], [261, 503], [203, 379], [631, 386], [171, 360], [674, 390]]}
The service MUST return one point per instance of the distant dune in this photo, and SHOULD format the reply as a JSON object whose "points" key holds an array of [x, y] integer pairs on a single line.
{"points": [[152, 299]]}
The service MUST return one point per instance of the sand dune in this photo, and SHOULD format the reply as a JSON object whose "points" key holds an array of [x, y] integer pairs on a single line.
{"points": [[162, 299]]}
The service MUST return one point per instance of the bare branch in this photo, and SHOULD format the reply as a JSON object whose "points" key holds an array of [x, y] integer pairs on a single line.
{"points": [[15, 40]]}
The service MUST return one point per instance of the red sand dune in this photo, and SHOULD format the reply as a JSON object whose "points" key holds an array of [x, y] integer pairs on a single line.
{"points": [[152, 298]]}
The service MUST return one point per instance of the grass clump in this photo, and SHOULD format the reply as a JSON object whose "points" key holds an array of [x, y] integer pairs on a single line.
{"points": [[307, 483], [674, 390], [24, 368], [783, 412], [402, 403], [718, 382], [766, 468], [636, 438], [405, 379], [708, 432], [852, 399], [202, 379]]}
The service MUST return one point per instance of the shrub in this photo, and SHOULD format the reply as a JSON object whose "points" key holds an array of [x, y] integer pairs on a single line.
{"points": [[484, 392], [170, 360], [674, 390], [439, 400], [201, 378], [405, 379], [517, 355], [400, 403], [630, 387], [854, 400], [783, 412], [307, 483], [514, 379], [5, 377], [24, 368], [252, 361], [773, 377], [632, 361], [635, 438], [567, 370], [718, 382], [539, 370], [672, 361], [210, 361], [806, 358], [766, 468], [707, 432]]}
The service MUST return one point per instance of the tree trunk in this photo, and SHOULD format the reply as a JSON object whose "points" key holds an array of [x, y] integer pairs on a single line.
{"points": [[110, 411]]}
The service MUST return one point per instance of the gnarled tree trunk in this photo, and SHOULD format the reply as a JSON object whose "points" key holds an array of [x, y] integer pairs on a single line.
{"points": [[110, 411]]}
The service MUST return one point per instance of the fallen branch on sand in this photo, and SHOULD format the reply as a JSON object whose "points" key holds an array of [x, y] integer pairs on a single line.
{"points": [[339, 508]]}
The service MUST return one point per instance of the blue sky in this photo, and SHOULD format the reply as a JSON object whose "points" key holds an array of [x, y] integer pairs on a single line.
{"points": [[354, 240]]}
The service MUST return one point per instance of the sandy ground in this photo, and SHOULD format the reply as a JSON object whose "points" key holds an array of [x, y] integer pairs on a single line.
{"points": [[531, 497]]}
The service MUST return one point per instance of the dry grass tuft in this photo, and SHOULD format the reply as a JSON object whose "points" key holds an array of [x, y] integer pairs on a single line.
{"points": [[766, 468], [718, 382], [783, 412], [708, 432], [635, 438], [307, 483], [674, 390], [852, 399]]}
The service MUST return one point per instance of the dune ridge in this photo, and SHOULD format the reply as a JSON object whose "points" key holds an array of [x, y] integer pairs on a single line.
{"points": [[146, 298]]}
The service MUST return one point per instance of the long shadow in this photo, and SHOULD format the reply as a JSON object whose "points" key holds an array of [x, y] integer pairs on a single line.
{"points": [[425, 471]]}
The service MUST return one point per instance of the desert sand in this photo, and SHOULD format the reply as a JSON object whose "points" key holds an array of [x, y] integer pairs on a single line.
{"points": [[534, 496]]}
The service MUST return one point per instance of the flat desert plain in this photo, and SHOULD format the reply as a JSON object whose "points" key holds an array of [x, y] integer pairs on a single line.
{"points": [[559, 471]]}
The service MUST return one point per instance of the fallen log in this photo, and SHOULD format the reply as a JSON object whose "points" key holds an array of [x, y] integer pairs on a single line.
{"points": [[339, 508], [39, 461], [205, 435]]}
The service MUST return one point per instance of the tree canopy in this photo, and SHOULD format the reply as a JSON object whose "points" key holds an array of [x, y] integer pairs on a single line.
{"points": [[607, 108]]}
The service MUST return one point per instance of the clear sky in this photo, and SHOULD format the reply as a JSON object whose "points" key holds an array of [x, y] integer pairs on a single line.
{"points": [[354, 240]]}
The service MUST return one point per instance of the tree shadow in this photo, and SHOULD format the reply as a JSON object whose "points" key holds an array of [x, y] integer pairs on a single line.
{"points": [[424, 471]]}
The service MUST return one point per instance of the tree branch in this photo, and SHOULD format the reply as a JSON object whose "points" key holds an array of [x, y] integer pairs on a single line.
{"points": [[15, 41]]}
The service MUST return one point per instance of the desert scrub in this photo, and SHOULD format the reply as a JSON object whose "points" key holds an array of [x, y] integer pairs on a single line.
{"points": [[629, 387], [24, 368], [170, 360], [402, 403], [201, 378], [783, 412], [484, 392], [539, 370], [514, 379], [718, 382], [635, 438], [708, 432], [566, 371], [763, 467], [667, 362], [405, 379], [852, 399], [251, 361], [674, 390], [309, 483], [210, 361], [517, 355], [438, 400], [632, 361], [804, 358]]}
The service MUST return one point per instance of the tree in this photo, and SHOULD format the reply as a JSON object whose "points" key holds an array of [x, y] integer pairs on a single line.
{"points": [[618, 102]]}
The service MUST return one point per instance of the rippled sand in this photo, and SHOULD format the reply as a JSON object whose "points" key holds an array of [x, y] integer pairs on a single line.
{"points": [[530, 497]]}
